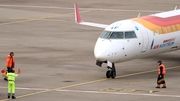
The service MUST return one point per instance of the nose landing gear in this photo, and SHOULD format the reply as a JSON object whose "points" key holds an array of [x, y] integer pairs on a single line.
{"points": [[111, 72]]}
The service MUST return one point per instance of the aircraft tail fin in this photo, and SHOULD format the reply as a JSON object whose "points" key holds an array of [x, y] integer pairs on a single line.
{"points": [[77, 14], [79, 20]]}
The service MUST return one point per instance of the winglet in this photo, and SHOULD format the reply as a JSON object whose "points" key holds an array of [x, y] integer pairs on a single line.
{"points": [[77, 14]]}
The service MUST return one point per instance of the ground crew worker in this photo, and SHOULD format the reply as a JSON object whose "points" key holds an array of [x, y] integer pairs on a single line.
{"points": [[11, 75], [10, 62], [161, 73]]}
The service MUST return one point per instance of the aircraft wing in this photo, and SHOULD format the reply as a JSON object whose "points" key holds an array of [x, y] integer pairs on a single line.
{"points": [[78, 19]]}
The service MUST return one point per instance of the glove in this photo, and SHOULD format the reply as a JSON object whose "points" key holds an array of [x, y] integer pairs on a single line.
{"points": [[19, 71]]}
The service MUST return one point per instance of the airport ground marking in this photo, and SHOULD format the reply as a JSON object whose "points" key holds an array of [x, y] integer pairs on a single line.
{"points": [[41, 18], [119, 93], [70, 8], [128, 90], [124, 90], [144, 72], [104, 92], [98, 80]]}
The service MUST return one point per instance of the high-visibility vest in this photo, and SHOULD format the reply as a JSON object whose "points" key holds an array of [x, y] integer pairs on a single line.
{"points": [[163, 69], [12, 76], [10, 62]]}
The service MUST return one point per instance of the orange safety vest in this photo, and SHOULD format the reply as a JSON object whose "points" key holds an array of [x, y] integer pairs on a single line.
{"points": [[10, 62], [164, 69]]}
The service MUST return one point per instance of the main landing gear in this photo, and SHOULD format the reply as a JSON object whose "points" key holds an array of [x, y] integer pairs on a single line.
{"points": [[111, 73]]}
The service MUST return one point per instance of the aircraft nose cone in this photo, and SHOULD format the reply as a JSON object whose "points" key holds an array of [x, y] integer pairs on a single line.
{"points": [[101, 55], [100, 51]]}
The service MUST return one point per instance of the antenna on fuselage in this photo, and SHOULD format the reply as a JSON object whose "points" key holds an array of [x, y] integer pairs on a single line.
{"points": [[175, 7], [139, 15]]}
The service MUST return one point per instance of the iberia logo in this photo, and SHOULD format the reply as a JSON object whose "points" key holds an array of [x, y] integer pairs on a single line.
{"points": [[165, 43]]}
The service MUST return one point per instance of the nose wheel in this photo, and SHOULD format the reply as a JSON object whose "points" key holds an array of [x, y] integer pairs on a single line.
{"points": [[108, 74], [111, 73]]}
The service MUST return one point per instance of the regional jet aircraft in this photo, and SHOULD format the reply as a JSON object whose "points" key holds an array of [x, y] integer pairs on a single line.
{"points": [[135, 38]]}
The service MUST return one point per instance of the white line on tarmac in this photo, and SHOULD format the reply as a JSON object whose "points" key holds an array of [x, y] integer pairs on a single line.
{"points": [[19, 88], [99, 92], [100, 9]]}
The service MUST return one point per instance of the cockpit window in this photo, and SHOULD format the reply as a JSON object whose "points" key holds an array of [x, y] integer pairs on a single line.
{"points": [[130, 34], [105, 34], [117, 35]]}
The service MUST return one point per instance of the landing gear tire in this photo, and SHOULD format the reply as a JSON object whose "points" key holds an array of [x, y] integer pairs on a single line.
{"points": [[113, 74], [111, 71], [108, 74]]}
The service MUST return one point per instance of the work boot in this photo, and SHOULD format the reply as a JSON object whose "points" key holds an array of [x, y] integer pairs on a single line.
{"points": [[158, 86], [9, 94], [164, 86], [13, 97]]}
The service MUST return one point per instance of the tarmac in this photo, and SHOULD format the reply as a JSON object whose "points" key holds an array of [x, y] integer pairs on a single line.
{"points": [[56, 56]]}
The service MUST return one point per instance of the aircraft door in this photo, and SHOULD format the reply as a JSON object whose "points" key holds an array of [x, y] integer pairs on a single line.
{"points": [[145, 38]]}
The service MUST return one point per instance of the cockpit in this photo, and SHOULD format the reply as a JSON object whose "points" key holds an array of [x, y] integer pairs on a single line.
{"points": [[118, 35]]}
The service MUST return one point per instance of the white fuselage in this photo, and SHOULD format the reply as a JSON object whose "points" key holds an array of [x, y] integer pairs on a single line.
{"points": [[135, 38], [146, 43]]}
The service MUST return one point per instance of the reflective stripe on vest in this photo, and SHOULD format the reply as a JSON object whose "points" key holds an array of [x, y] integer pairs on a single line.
{"points": [[163, 69]]}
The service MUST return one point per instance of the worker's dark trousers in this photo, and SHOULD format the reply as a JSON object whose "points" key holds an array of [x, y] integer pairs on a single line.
{"points": [[160, 79]]}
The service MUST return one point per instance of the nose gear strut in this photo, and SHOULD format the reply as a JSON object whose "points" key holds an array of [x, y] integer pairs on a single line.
{"points": [[111, 71]]}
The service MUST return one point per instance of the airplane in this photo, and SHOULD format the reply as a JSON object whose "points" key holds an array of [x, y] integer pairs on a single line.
{"points": [[135, 38]]}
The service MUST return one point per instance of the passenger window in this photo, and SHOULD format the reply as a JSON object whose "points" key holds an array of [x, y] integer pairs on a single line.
{"points": [[105, 34], [162, 30], [157, 31], [176, 27], [130, 34], [166, 30], [117, 35], [171, 28]]}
